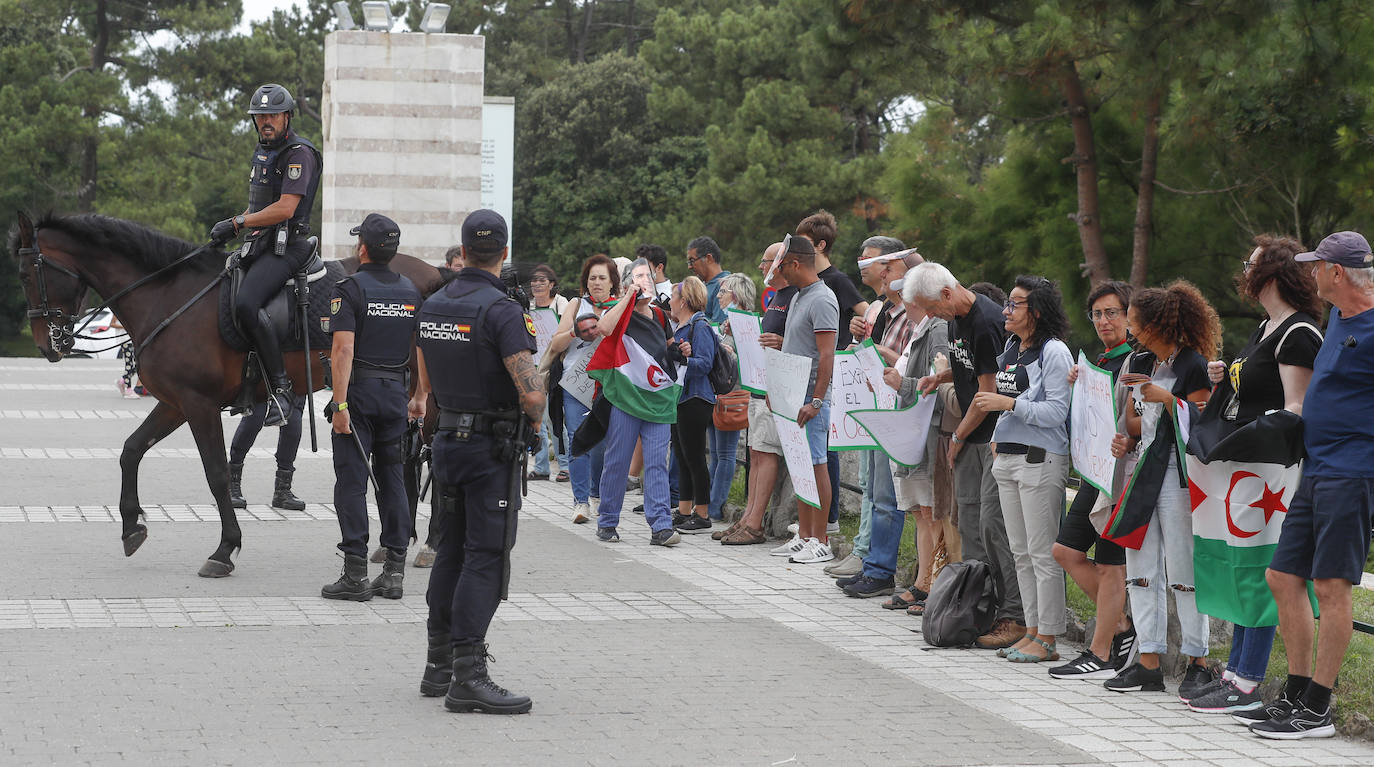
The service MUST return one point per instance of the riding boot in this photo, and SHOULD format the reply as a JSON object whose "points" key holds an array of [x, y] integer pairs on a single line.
{"points": [[236, 498], [472, 690], [438, 666], [282, 497], [352, 583], [388, 584], [279, 399]]}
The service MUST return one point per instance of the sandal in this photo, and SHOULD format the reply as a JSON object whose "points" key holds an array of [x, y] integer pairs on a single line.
{"points": [[1016, 656], [1002, 653], [744, 536], [899, 602], [918, 610], [717, 535]]}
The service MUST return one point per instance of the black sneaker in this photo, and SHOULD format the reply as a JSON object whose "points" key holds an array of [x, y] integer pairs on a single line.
{"points": [[1123, 644], [1279, 709], [693, 525], [679, 518], [1226, 699], [867, 586], [607, 534], [1301, 722], [668, 537], [640, 509], [1197, 681], [1085, 666], [1136, 678], [844, 583]]}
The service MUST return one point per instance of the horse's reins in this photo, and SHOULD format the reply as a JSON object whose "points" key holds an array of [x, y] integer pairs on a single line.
{"points": [[63, 336]]}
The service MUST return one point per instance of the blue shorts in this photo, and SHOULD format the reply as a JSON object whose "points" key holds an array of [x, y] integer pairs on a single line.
{"points": [[818, 435], [1326, 531]]}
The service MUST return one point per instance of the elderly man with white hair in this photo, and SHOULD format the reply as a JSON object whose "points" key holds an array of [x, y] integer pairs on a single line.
{"points": [[976, 338]]}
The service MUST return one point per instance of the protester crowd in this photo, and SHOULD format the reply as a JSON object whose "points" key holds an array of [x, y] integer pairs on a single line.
{"points": [[992, 485]]}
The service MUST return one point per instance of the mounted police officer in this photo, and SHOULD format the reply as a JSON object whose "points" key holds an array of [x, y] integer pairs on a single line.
{"points": [[372, 319], [281, 193], [476, 349]]}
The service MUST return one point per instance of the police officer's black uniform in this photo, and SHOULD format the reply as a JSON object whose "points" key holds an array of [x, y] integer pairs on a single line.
{"points": [[379, 307], [466, 331], [288, 164]]}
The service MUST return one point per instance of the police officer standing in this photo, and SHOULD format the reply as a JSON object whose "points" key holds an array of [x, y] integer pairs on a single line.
{"points": [[372, 319], [276, 224], [476, 353]]}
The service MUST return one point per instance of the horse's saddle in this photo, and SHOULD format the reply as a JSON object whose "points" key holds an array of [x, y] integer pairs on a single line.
{"points": [[316, 278]]}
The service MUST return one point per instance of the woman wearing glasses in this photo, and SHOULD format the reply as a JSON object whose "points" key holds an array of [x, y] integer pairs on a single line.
{"points": [[543, 295], [1032, 463]]}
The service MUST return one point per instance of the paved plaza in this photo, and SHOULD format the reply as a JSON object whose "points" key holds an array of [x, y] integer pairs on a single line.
{"points": [[634, 655]]}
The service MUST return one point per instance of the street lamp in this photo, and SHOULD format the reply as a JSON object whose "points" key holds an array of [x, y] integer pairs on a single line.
{"points": [[344, 16], [436, 14], [377, 16]]}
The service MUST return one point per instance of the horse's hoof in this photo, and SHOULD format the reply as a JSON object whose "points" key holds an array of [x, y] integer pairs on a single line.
{"points": [[379, 556], [135, 539], [425, 558], [215, 569]]}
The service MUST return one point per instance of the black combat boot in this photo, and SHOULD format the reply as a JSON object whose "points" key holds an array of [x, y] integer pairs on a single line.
{"points": [[388, 584], [282, 497], [438, 666], [236, 498], [352, 583], [472, 690]]}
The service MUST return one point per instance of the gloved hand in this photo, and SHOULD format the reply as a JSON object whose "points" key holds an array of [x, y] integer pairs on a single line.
{"points": [[223, 231]]}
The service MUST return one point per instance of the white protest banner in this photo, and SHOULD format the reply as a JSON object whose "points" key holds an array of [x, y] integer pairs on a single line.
{"points": [[901, 434], [849, 391], [868, 358], [1092, 424], [575, 380], [744, 326], [796, 451], [545, 323], [789, 375]]}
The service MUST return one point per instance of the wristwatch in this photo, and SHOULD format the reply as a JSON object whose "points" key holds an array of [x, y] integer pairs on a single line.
{"points": [[238, 222], [817, 403], [334, 407]]}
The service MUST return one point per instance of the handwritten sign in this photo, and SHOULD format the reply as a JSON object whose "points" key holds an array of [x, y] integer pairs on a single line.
{"points": [[872, 364], [901, 434], [575, 380], [796, 451], [744, 326], [545, 323], [788, 376], [849, 390], [1092, 424]]}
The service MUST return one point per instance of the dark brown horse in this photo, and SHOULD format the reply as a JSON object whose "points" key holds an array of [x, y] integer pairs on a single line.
{"points": [[187, 367]]}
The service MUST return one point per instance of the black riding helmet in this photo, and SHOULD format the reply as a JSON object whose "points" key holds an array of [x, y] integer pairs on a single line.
{"points": [[272, 99]]}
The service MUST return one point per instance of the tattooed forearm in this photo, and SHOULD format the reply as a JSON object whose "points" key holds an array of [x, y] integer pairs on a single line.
{"points": [[523, 373]]}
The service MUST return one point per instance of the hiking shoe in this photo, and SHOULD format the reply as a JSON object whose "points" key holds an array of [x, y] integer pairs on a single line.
{"points": [[812, 552], [832, 528], [1226, 699], [867, 586], [607, 534], [1123, 645], [1136, 678], [1085, 666], [1197, 681], [848, 580], [1279, 709], [582, 513], [791, 547], [1301, 722], [1005, 633], [693, 525], [744, 536], [718, 534], [850, 565], [668, 537]]}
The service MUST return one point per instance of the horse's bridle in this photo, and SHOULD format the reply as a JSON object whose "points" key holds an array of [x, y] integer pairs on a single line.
{"points": [[61, 326]]}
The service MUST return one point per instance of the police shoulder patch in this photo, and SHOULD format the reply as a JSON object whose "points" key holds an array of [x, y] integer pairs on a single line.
{"points": [[529, 325], [293, 171], [334, 304]]}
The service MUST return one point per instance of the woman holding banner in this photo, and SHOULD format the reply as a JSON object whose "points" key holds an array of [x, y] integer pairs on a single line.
{"points": [[1032, 464]]}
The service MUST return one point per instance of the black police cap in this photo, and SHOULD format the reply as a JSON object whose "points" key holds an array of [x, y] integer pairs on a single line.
{"points": [[378, 231], [484, 230]]}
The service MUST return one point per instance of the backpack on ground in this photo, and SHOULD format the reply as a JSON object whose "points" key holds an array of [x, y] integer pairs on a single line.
{"points": [[962, 605], [724, 373]]}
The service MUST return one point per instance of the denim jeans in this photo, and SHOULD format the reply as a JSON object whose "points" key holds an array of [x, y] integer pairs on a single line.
{"points": [[583, 470], [1250, 649], [724, 445], [1163, 562], [624, 431], [888, 520], [865, 534], [547, 445]]}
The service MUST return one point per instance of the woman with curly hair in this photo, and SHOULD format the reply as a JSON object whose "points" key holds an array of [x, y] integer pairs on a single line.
{"points": [[1181, 330], [1032, 463]]}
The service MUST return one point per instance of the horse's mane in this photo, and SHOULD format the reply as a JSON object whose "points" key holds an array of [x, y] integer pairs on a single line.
{"points": [[146, 248]]}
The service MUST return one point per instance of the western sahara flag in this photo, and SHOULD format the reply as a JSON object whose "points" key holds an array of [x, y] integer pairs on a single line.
{"points": [[1164, 438], [634, 371]]}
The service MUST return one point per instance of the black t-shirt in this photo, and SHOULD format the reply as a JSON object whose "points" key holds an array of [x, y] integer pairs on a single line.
{"points": [[847, 296], [775, 316], [1189, 370], [1254, 375], [975, 343], [1113, 359], [1012, 378]]}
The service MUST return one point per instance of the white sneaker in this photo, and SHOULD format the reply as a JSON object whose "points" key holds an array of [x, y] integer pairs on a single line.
{"points": [[832, 528], [792, 528], [814, 551], [789, 548], [582, 512]]}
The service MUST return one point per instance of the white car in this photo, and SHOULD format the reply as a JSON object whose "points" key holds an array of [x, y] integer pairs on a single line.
{"points": [[102, 336]]}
